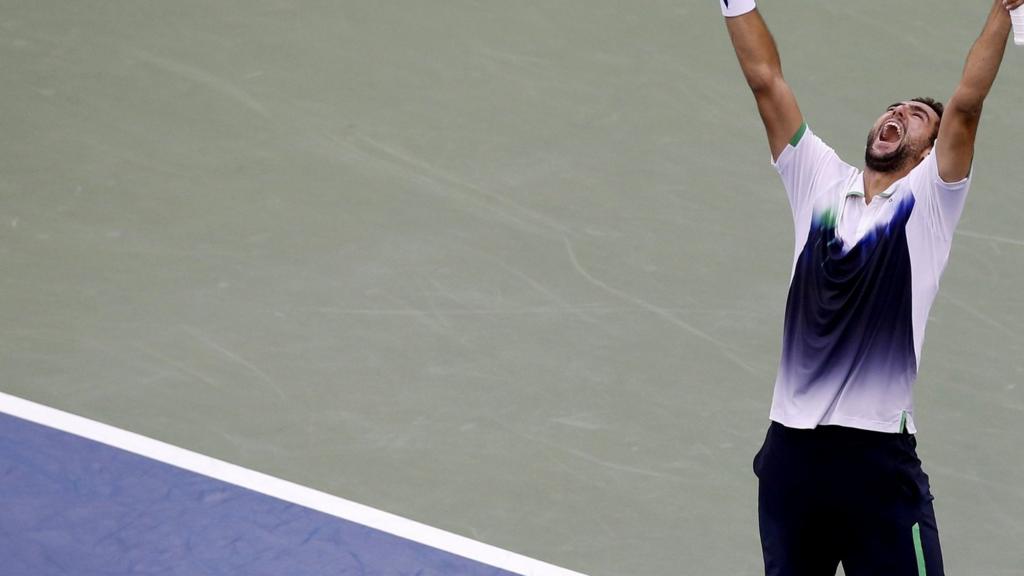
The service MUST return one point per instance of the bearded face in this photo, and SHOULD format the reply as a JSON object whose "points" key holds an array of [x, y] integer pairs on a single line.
{"points": [[887, 148], [901, 137]]}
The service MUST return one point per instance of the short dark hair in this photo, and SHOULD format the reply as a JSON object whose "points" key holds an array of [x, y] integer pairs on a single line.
{"points": [[931, 103], [934, 105]]}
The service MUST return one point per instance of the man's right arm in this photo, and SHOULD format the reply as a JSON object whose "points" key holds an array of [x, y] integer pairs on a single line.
{"points": [[759, 60]]}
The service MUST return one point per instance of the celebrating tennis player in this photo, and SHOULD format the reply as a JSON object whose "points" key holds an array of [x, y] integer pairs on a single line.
{"points": [[839, 476]]}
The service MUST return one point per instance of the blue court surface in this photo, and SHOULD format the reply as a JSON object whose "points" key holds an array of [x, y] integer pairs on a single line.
{"points": [[72, 505]]}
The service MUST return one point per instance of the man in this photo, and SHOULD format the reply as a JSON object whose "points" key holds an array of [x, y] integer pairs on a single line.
{"points": [[839, 478]]}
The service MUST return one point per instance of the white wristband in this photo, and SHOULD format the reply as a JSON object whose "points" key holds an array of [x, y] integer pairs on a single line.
{"points": [[1017, 18], [732, 8]]}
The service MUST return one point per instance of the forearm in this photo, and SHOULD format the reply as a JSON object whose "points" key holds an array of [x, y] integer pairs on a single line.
{"points": [[755, 49], [983, 62], [759, 60]]}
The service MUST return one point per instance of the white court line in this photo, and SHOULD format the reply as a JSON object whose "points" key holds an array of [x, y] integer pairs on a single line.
{"points": [[278, 488]]}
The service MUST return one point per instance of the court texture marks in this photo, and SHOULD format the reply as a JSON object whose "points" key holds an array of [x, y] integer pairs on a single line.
{"points": [[450, 287]]}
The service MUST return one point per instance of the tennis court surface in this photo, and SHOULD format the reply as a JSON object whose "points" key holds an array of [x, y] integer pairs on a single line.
{"points": [[513, 272]]}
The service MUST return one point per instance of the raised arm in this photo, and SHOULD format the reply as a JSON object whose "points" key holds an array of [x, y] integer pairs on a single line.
{"points": [[959, 126], [759, 60]]}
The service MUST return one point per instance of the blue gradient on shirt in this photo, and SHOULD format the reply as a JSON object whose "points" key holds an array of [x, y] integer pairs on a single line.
{"points": [[849, 316]]}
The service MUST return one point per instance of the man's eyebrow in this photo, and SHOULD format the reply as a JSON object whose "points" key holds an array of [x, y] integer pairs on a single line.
{"points": [[919, 106], [913, 104]]}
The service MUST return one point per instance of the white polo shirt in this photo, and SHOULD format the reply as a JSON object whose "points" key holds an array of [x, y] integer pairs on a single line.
{"points": [[864, 278]]}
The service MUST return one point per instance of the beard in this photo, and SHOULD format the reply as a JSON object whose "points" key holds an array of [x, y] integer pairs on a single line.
{"points": [[890, 162]]}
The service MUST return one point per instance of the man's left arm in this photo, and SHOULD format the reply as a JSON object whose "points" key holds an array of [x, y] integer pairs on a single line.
{"points": [[959, 126]]}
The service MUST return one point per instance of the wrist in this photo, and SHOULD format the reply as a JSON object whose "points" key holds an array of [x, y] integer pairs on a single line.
{"points": [[731, 8]]}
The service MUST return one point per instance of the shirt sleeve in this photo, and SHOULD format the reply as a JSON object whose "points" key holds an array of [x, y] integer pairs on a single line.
{"points": [[802, 165], [940, 202], [937, 209]]}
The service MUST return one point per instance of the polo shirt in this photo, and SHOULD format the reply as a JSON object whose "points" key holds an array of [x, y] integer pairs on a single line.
{"points": [[864, 277]]}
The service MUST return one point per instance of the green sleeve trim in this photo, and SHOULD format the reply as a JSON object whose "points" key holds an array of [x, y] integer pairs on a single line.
{"points": [[921, 571], [799, 134]]}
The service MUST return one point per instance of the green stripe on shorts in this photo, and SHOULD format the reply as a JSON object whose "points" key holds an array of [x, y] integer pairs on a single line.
{"points": [[919, 550]]}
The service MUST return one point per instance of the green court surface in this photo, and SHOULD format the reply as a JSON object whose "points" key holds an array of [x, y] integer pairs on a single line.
{"points": [[516, 270]]}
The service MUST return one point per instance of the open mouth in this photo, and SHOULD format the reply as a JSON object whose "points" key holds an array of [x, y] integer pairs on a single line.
{"points": [[891, 132]]}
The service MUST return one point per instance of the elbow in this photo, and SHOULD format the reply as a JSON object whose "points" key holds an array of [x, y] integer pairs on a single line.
{"points": [[966, 103], [969, 110], [764, 80]]}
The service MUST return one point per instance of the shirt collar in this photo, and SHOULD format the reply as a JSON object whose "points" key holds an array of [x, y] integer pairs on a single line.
{"points": [[856, 187]]}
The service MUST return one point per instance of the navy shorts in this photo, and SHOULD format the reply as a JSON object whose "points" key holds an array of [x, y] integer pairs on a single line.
{"points": [[835, 494]]}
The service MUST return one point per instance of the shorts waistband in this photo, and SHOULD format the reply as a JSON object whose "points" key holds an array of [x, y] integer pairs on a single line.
{"points": [[834, 432]]}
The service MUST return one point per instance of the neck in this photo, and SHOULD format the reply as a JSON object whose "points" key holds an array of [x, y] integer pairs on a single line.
{"points": [[877, 182]]}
